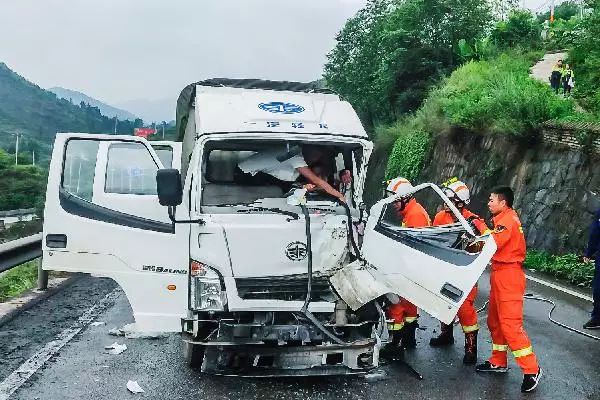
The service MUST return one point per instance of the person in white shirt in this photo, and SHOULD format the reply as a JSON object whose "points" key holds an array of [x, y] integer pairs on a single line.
{"points": [[289, 167]]}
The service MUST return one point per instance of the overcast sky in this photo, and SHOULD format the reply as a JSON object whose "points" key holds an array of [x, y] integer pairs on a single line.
{"points": [[123, 50]]}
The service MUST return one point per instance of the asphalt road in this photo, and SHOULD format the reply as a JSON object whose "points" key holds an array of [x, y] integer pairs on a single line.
{"points": [[82, 369]]}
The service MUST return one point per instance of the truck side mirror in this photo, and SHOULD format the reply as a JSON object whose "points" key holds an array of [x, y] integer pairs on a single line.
{"points": [[168, 186]]}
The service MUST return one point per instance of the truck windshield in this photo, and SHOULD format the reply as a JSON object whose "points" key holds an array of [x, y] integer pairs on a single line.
{"points": [[244, 172]]}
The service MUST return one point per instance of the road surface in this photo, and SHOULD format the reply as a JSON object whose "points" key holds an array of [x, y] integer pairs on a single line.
{"points": [[543, 68], [82, 370]]}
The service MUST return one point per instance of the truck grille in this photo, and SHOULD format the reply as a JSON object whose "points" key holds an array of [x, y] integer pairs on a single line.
{"points": [[288, 288]]}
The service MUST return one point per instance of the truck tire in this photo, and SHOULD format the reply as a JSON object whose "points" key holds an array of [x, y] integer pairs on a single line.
{"points": [[193, 354]]}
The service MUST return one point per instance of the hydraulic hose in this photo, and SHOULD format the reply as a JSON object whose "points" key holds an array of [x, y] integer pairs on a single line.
{"points": [[350, 230], [530, 296], [308, 256], [304, 308]]}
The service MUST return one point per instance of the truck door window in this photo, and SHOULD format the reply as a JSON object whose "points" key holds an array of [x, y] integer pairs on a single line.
{"points": [[448, 243], [165, 154], [130, 170], [79, 167]]}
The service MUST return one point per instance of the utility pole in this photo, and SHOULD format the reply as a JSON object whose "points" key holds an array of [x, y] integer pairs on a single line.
{"points": [[552, 12], [33, 157], [116, 124], [163, 130], [17, 149]]}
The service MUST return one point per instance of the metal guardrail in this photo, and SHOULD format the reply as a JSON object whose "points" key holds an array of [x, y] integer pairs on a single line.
{"points": [[19, 251]]}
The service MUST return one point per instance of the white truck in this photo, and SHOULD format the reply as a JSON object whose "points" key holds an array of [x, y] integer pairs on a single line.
{"points": [[258, 282]]}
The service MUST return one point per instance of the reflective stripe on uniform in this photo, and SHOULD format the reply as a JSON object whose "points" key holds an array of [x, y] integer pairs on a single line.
{"points": [[499, 347], [486, 232], [523, 352], [408, 320], [470, 328], [395, 327]]}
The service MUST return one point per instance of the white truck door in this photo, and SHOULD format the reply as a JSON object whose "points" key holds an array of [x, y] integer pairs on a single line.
{"points": [[423, 265], [102, 217]]}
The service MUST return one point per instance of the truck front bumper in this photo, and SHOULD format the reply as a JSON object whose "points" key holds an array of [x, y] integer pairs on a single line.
{"points": [[301, 354]]}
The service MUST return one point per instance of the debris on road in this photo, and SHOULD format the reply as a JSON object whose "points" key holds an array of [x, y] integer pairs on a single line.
{"points": [[115, 348], [98, 323], [375, 376], [134, 387], [130, 332]]}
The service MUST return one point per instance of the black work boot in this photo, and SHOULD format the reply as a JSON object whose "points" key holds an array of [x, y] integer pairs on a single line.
{"points": [[531, 381], [409, 339], [445, 338], [393, 349], [470, 348], [593, 323]]}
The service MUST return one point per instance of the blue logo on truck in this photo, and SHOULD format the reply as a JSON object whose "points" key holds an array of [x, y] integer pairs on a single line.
{"points": [[278, 107]]}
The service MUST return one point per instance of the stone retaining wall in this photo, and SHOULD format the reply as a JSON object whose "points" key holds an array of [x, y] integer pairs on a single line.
{"points": [[556, 181]]}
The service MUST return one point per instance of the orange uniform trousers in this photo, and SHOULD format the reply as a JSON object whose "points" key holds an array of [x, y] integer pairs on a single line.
{"points": [[467, 315], [505, 317]]}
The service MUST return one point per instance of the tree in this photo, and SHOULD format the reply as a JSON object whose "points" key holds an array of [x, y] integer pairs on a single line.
{"points": [[390, 53], [521, 29], [564, 11], [585, 57]]}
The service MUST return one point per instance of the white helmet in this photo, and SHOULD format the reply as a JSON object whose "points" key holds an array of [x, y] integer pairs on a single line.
{"points": [[399, 186], [457, 190]]}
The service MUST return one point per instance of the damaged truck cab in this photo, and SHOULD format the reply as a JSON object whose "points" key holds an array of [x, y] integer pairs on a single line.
{"points": [[260, 277]]}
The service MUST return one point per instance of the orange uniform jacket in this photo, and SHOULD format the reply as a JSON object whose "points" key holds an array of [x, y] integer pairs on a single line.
{"points": [[509, 237], [446, 217], [414, 215]]}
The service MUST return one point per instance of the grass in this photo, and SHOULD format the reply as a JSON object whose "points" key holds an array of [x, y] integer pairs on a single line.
{"points": [[567, 267], [17, 280], [498, 96]]}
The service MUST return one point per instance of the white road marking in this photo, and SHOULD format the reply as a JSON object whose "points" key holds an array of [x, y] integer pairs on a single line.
{"points": [[560, 288], [36, 361]]}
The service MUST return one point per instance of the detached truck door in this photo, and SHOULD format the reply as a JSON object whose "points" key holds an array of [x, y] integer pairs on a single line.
{"points": [[102, 217], [422, 265]]}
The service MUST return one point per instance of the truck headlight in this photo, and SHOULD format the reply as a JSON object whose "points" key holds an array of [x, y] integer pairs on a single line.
{"points": [[206, 292]]}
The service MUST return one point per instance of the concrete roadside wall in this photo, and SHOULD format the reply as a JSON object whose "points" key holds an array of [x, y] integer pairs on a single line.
{"points": [[556, 180]]}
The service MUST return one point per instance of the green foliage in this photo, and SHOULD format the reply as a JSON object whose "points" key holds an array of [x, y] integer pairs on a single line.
{"points": [[408, 154], [585, 57], [563, 34], [21, 229], [21, 186], [392, 51], [521, 29], [38, 114], [563, 11], [568, 267], [481, 49], [498, 96], [18, 280]]}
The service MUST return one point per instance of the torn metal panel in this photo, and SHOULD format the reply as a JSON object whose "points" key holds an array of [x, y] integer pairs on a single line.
{"points": [[357, 286]]}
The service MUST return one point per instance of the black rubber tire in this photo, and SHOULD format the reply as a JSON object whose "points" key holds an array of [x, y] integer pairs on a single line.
{"points": [[193, 354]]}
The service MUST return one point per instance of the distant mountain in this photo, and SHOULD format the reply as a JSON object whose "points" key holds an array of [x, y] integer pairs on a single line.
{"points": [[152, 110], [37, 115], [77, 97]]}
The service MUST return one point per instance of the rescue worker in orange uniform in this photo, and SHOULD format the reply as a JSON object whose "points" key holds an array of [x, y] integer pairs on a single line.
{"points": [[413, 215], [507, 279], [459, 194]]}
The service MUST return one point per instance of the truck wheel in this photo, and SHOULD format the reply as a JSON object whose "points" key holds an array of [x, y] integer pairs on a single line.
{"points": [[193, 354]]}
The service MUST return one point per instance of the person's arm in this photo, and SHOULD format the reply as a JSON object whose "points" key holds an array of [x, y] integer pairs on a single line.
{"points": [[502, 236], [594, 238], [481, 226], [322, 184]]}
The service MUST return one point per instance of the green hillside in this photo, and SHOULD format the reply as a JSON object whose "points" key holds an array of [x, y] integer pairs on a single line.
{"points": [[38, 114]]}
